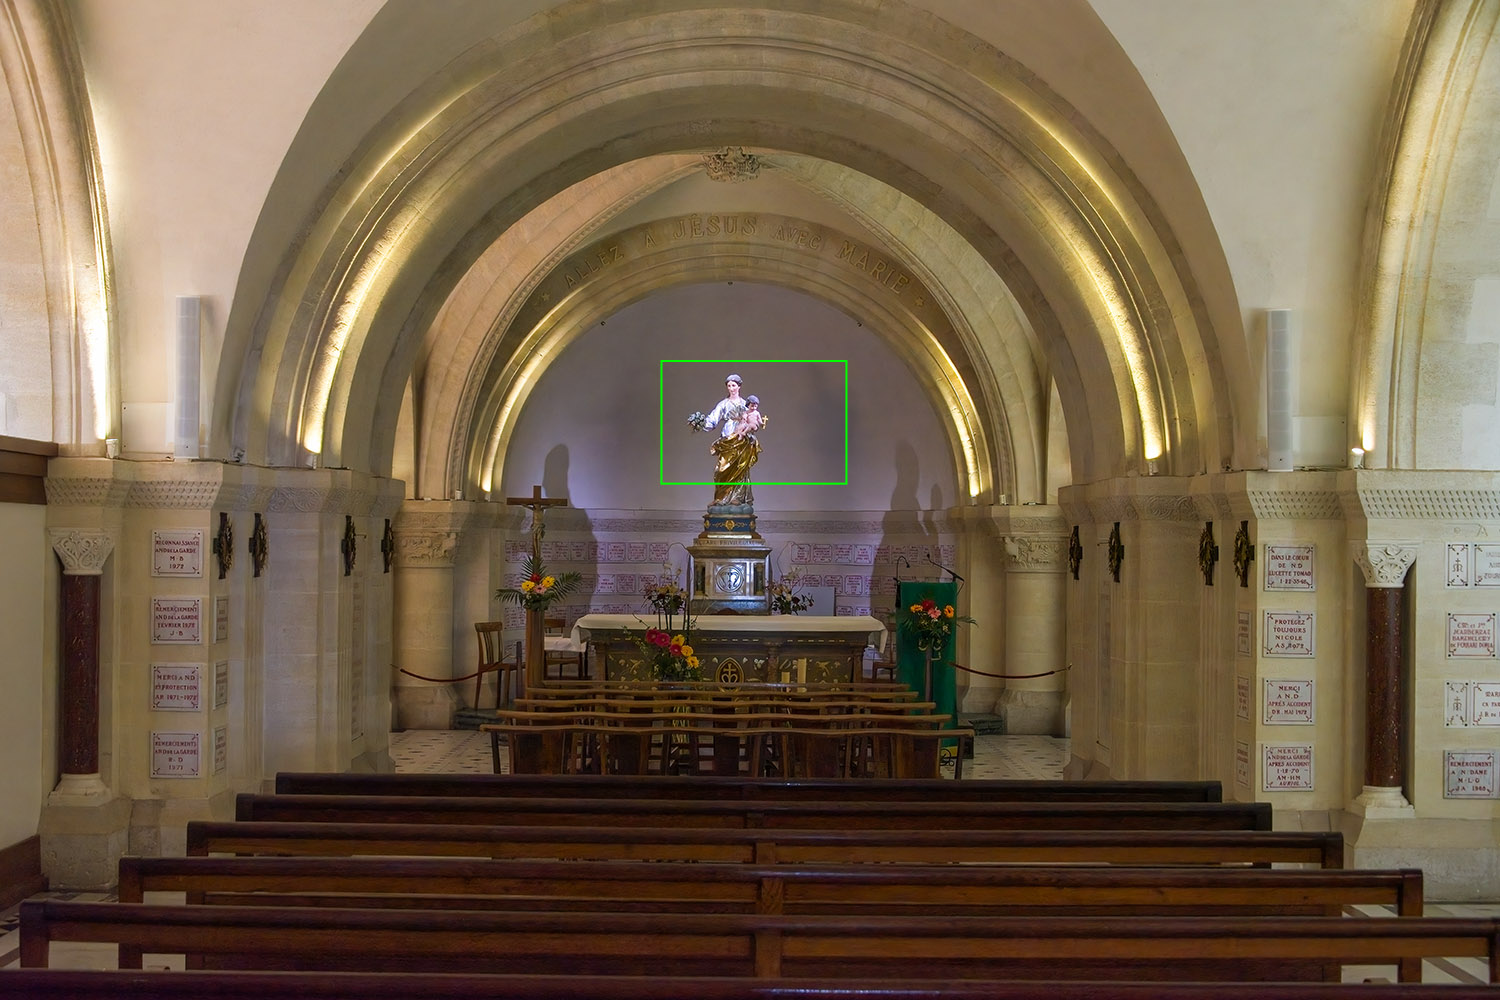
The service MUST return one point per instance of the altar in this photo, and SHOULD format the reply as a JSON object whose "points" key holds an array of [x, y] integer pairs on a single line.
{"points": [[731, 648]]}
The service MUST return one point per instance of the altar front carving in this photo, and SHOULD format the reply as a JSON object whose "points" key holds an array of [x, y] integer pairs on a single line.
{"points": [[810, 649]]}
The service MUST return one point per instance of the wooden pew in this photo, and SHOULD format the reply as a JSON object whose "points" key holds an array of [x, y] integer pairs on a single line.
{"points": [[954, 890], [1251, 949], [1127, 847], [597, 786], [727, 814], [803, 750], [93, 984]]}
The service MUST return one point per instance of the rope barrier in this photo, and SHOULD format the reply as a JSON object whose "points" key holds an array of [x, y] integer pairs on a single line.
{"points": [[448, 680], [1009, 677]]}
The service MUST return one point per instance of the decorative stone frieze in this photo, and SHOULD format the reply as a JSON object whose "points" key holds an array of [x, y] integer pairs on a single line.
{"points": [[175, 494], [1295, 505], [1384, 563], [328, 499], [86, 491], [1158, 507], [1034, 553], [1427, 504], [83, 553], [427, 549]]}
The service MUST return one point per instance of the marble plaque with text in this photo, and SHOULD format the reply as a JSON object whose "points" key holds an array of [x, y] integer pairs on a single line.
{"points": [[1287, 703], [1288, 633], [1471, 703], [221, 749], [1244, 633], [175, 687], [1242, 697], [221, 684], [1471, 635], [177, 552], [175, 755], [1242, 763], [1286, 767], [1290, 567], [221, 618], [1486, 565], [1459, 566], [176, 621], [1469, 774]]}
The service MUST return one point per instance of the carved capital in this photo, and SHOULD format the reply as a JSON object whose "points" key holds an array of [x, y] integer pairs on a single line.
{"points": [[1384, 563], [83, 553], [1035, 553], [425, 549]]}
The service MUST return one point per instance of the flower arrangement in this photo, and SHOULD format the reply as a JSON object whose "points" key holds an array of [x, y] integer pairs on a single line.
{"points": [[666, 597], [930, 623], [785, 599], [669, 656], [539, 588], [697, 420]]}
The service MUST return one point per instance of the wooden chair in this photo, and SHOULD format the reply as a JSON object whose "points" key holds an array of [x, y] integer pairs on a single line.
{"points": [[559, 627], [492, 660]]}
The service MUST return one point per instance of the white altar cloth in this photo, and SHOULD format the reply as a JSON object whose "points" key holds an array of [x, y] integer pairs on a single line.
{"points": [[791, 625]]}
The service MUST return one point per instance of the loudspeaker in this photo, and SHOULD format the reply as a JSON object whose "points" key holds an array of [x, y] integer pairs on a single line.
{"points": [[189, 366], [1279, 389]]}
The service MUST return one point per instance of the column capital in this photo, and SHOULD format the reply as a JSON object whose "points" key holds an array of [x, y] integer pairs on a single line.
{"points": [[83, 552], [1384, 563]]}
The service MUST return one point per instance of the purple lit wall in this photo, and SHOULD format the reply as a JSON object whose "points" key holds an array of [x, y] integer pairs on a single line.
{"points": [[590, 428]]}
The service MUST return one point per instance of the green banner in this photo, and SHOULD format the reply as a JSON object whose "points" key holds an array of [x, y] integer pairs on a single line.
{"points": [[911, 662]]}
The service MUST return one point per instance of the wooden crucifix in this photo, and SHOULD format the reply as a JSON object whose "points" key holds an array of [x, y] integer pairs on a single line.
{"points": [[538, 505]]}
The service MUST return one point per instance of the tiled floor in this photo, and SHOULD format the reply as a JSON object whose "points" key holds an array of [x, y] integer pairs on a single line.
{"points": [[1029, 757]]}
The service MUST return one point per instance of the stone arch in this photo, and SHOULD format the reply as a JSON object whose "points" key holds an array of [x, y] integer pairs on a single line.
{"points": [[39, 60], [605, 276], [1437, 171], [1002, 160]]}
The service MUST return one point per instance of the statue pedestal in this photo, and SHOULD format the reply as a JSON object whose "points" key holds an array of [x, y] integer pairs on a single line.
{"points": [[729, 567]]}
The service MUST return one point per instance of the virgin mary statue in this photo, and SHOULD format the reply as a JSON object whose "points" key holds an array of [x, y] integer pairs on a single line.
{"points": [[737, 447]]}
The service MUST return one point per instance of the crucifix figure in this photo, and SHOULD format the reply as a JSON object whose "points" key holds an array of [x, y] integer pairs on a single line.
{"points": [[538, 505]]}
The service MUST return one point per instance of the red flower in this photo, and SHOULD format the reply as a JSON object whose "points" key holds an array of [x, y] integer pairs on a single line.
{"points": [[928, 604], [675, 649], [657, 637]]}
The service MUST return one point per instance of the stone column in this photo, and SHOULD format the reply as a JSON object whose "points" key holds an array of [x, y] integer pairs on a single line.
{"points": [[1384, 565], [427, 536], [1035, 631], [83, 554]]}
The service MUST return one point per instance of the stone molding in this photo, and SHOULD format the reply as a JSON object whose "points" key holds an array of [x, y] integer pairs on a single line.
{"points": [[83, 553], [1035, 553], [1384, 564]]}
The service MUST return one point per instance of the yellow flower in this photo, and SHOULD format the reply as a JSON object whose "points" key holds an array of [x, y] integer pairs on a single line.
{"points": [[547, 582], [948, 610], [687, 651], [693, 662], [915, 608], [678, 640], [527, 586]]}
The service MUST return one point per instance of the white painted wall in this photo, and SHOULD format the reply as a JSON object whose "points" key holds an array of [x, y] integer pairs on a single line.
{"points": [[1277, 105]]}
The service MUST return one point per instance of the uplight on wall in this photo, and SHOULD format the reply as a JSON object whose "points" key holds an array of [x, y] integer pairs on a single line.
{"points": [[1356, 458]]}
